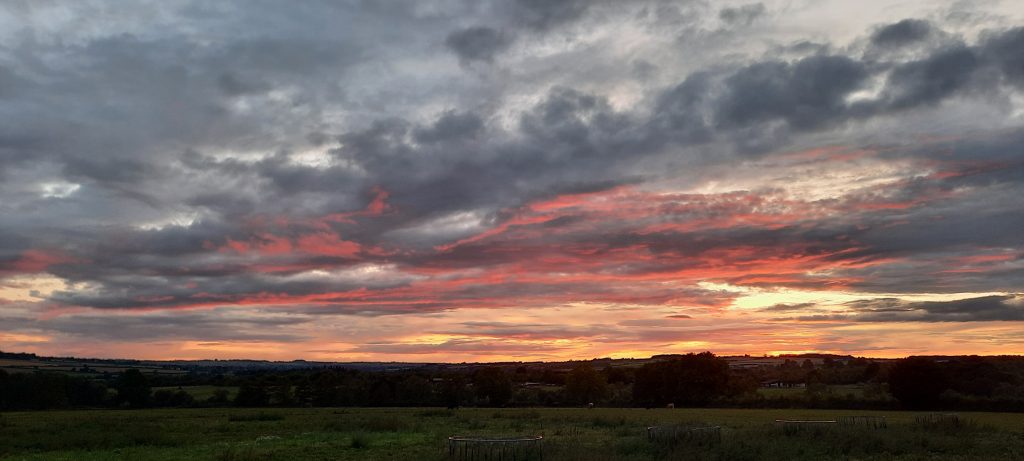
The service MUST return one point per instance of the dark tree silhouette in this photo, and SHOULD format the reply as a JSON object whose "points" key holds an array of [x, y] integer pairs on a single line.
{"points": [[917, 382], [493, 385], [133, 389], [691, 379], [453, 391], [252, 396], [585, 385]]}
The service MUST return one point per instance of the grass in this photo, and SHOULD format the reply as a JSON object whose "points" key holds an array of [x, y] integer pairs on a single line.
{"points": [[256, 417], [420, 434], [200, 393]]}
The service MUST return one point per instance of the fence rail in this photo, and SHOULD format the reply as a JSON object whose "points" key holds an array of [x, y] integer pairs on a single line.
{"points": [[795, 426], [874, 422], [480, 448], [939, 419]]}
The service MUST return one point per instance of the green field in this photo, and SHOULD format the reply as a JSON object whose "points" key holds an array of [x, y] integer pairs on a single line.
{"points": [[411, 434], [200, 393], [857, 391]]}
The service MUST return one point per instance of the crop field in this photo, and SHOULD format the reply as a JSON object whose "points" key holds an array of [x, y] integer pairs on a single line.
{"points": [[411, 434]]}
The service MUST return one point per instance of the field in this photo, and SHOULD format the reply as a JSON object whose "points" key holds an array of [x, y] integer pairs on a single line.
{"points": [[200, 393], [411, 434], [81, 368]]}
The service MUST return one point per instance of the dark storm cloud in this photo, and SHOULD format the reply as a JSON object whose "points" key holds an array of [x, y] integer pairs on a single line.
{"points": [[985, 308], [902, 33], [477, 43], [807, 94], [933, 79], [451, 126]]}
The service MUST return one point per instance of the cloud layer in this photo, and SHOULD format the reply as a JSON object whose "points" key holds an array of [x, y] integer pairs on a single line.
{"points": [[448, 180]]}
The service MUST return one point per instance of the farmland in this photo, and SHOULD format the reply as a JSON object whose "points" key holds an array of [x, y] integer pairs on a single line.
{"points": [[420, 434]]}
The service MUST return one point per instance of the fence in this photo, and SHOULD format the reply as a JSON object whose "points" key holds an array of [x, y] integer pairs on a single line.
{"points": [[873, 422], [939, 420], [795, 426], [469, 448]]}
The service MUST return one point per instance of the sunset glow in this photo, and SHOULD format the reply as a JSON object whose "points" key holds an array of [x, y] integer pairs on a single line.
{"points": [[620, 181]]}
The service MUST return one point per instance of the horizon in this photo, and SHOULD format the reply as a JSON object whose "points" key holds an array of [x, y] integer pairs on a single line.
{"points": [[591, 359], [498, 181]]}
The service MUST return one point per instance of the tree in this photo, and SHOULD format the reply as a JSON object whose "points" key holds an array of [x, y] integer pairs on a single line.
{"points": [[252, 396], [281, 394], [585, 385], [871, 371], [691, 379], [453, 392], [493, 385], [219, 397], [168, 398], [917, 382], [415, 391], [133, 389]]}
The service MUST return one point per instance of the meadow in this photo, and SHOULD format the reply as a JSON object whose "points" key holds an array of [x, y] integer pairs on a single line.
{"points": [[410, 434]]}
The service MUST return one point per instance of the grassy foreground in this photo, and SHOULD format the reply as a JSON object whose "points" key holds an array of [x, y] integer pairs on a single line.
{"points": [[411, 434]]}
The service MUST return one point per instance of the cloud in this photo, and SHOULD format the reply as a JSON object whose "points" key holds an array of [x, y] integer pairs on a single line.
{"points": [[902, 33], [979, 309], [1003, 49], [806, 94], [931, 80], [477, 43], [742, 15], [337, 161], [451, 126], [164, 326], [544, 15]]}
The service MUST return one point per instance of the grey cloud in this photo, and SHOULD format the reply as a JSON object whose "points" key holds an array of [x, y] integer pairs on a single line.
{"points": [[901, 33], [233, 85], [742, 15], [457, 345], [985, 308], [10, 82], [789, 307], [206, 326], [451, 126], [680, 112], [477, 43], [543, 15], [931, 80], [807, 94], [1004, 49]]}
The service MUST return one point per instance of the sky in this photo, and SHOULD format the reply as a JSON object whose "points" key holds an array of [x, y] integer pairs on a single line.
{"points": [[449, 180]]}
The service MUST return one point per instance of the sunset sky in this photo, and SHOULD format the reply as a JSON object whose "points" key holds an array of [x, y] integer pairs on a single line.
{"points": [[510, 180]]}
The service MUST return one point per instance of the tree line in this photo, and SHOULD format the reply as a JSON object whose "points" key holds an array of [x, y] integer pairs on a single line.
{"points": [[691, 380]]}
